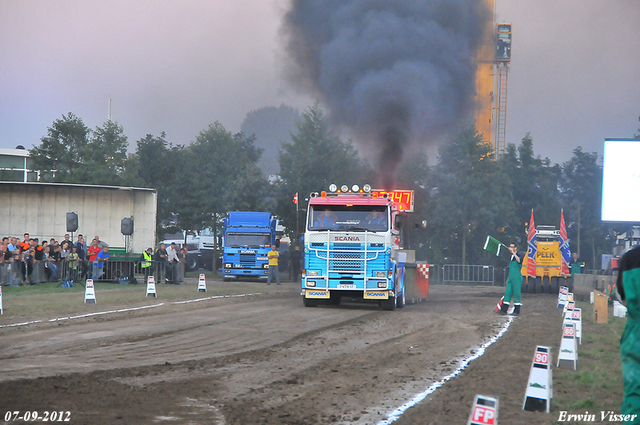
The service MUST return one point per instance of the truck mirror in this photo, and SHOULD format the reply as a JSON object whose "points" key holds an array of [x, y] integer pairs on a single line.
{"points": [[219, 240], [397, 224], [277, 243]]}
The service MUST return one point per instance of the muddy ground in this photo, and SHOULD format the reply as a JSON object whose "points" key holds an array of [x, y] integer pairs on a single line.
{"points": [[266, 359]]}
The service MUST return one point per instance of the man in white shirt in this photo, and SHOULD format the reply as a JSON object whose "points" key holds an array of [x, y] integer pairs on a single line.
{"points": [[172, 258]]}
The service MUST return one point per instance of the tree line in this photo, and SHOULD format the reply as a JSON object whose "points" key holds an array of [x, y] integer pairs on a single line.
{"points": [[467, 195]]}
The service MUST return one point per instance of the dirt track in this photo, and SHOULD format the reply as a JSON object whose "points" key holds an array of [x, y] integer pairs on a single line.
{"points": [[267, 359]]}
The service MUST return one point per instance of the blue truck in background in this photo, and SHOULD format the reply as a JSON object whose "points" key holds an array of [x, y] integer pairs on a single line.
{"points": [[248, 237]]}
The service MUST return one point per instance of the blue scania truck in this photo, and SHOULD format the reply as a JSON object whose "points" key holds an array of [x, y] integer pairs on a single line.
{"points": [[248, 237], [353, 248]]}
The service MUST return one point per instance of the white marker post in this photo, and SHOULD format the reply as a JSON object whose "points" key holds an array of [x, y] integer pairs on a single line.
{"points": [[202, 284], [151, 287], [484, 411], [89, 292], [562, 296], [1, 299], [576, 318], [537, 397], [568, 308], [568, 356]]}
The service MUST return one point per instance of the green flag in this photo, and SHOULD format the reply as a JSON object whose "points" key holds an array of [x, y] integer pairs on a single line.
{"points": [[492, 245]]}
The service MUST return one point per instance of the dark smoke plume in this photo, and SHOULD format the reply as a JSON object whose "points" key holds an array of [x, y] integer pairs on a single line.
{"points": [[392, 71]]}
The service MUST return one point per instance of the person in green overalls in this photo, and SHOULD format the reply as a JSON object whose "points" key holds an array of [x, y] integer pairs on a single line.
{"points": [[576, 265], [514, 282], [628, 284]]}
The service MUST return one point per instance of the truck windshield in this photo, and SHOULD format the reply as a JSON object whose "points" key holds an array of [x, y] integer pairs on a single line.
{"points": [[349, 217], [239, 240]]}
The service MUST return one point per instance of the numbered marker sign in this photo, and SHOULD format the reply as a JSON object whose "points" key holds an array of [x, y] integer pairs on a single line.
{"points": [[202, 284], [539, 392], [151, 287], [569, 332], [484, 415], [541, 359], [89, 292], [484, 411]]}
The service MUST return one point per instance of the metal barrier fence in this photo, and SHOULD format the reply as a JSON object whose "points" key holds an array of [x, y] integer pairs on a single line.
{"points": [[459, 274], [120, 271]]}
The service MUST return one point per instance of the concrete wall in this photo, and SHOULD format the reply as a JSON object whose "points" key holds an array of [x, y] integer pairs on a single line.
{"points": [[40, 209], [584, 284]]}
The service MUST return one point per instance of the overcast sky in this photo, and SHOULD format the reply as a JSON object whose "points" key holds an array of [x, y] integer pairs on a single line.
{"points": [[179, 65]]}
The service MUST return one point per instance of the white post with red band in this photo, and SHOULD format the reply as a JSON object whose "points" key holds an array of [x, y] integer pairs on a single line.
{"points": [[562, 296], [151, 287], [484, 411], [568, 356], [202, 284], [576, 318], [89, 292], [539, 392]]}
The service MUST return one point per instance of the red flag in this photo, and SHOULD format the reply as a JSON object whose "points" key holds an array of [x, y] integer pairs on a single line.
{"points": [[532, 248], [295, 199], [565, 252]]}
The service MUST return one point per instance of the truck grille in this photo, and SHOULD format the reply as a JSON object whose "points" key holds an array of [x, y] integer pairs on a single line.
{"points": [[248, 260], [350, 257]]}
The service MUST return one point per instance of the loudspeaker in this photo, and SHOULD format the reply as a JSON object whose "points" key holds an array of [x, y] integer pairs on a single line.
{"points": [[126, 226], [72, 222]]}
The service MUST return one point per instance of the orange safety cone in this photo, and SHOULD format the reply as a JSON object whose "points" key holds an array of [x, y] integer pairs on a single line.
{"points": [[499, 305]]}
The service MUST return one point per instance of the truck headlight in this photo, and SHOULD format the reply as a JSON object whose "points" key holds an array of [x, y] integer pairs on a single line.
{"points": [[382, 284], [312, 273], [228, 266], [265, 266], [381, 274], [311, 283]]}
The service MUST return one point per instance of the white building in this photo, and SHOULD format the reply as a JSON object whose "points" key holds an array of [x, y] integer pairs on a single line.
{"points": [[15, 165]]}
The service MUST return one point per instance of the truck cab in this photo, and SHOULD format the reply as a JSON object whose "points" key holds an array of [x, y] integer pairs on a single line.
{"points": [[352, 248], [248, 237]]}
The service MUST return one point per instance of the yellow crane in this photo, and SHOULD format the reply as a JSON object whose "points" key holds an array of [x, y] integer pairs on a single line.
{"points": [[492, 72]]}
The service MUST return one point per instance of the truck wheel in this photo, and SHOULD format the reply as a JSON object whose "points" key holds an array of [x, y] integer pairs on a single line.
{"points": [[401, 300], [554, 286], [308, 302], [537, 285], [526, 285], [400, 297], [192, 263], [388, 304]]}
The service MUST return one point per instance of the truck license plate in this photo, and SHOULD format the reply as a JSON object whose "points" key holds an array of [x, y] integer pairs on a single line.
{"points": [[346, 286]]}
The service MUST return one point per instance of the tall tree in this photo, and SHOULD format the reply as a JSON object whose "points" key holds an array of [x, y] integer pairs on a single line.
{"points": [[218, 173], [313, 159], [271, 125], [63, 151], [533, 182], [472, 201], [106, 155], [582, 195], [157, 164]]}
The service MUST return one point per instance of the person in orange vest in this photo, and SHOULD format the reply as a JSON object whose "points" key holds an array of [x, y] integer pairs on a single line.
{"points": [[326, 219], [25, 244]]}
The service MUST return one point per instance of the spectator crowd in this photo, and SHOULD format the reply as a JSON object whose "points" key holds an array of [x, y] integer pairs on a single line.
{"points": [[32, 261]]}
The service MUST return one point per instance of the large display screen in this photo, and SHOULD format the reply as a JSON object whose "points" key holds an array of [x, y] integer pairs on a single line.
{"points": [[621, 181]]}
